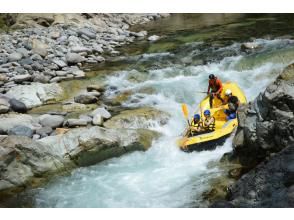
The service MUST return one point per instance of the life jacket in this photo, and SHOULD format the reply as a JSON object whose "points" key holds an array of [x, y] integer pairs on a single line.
{"points": [[210, 127], [215, 85], [197, 125]]}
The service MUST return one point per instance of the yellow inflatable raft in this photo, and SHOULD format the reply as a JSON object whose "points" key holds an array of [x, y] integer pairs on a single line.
{"points": [[223, 128]]}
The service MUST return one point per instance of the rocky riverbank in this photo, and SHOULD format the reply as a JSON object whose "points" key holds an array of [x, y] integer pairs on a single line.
{"points": [[263, 149], [36, 54]]}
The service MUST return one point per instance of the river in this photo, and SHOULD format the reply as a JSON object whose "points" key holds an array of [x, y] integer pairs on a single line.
{"points": [[164, 74]]}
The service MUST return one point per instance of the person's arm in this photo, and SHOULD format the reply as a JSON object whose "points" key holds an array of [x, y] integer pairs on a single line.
{"points": [[208, 89]]}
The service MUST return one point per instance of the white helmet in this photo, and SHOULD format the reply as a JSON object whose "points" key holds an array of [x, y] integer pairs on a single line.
{"points": [[228, 92]]}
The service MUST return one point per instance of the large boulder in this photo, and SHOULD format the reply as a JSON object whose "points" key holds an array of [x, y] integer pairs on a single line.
{"points": [[269, 185], [52, 121], [22, 160], [138, 118], [87, 146], [266, 125], [36, 94], [11, 120]]}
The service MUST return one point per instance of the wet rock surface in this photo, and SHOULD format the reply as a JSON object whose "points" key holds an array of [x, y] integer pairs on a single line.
{"points": [[264, 146]]}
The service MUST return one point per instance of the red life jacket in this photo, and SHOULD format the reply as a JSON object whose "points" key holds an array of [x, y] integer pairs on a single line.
{"points": [[215, 85]]}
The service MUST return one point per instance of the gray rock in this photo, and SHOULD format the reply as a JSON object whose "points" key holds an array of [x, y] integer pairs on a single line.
{"points": [[22, 78], [15, 57], [8, 121], [87, 32], [86, 118], [23, 51], [39, 48], [17, 106], [4, 70], [52, 121], [71, 123], [88, 146], [85, 99], [36, 94], [44, 131], [59, 63], [74, 58], [97, 120], [79, 49], [101, 111], [153, 38], [21, 131], [36, 57], [41, 78], [4, 105]]}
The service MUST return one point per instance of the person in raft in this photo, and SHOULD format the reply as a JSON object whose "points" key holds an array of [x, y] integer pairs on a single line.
{"points": [[233, 104], [215, 88], [209, 121], [196, 124]]}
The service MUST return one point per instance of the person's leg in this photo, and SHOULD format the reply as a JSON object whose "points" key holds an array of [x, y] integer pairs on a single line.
{"points": [[210, 100], [220, 98], [231, 116]]}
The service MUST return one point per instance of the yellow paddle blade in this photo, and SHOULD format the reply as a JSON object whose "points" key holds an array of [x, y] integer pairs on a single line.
{"points": [[185, 110]]}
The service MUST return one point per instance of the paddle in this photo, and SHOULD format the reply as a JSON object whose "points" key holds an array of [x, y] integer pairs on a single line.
{"points": [[200, 92], [186, 112]]}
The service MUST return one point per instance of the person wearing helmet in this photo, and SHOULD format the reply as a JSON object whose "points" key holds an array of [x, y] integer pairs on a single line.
{"points": [[209, 121], [196, 124], [233, 104], [215, 87]]}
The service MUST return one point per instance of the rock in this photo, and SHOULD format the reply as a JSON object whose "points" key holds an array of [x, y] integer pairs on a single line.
{"points": [[3, 70], [15, 57], [71, 123], [41, 78], [44, 131], [36, 57], [54, 34], [4, 105], [85, 99], [59, 63], [79, 74], [86, 118], [87, 32], [74, 107], [102, 112], [52, 121], [249, 46], [97, 120], [138, 118], [17, 106], [22, 160], [24, 52], [88, 146], [266, 185], [153, 38], [21, 130], [39, 48], [74, 58], [11, 120], [98, 88], [80, 49], [22, 78], [36, 94]]}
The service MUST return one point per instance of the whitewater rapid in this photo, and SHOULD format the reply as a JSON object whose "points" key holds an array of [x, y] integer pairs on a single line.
{"points": [[164, 176]]}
